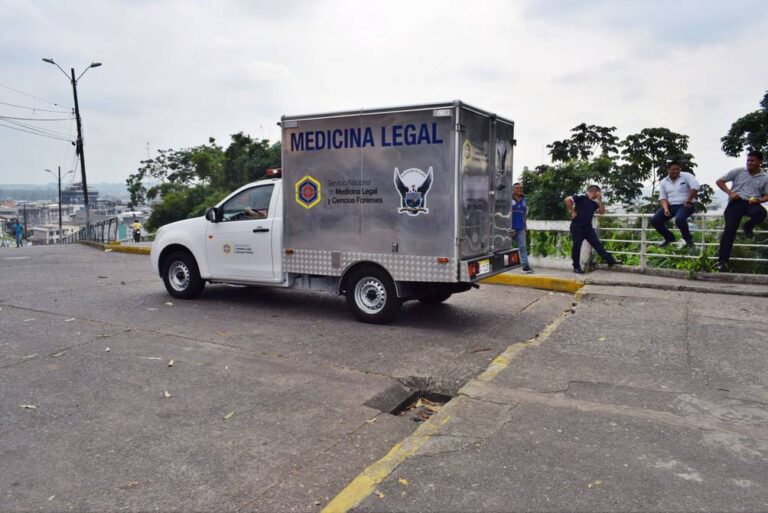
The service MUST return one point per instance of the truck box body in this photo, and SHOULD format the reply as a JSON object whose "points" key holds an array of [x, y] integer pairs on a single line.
{"points": [[400, 187]]}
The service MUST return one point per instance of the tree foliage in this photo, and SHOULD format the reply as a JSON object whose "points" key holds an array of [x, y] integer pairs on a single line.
{"points": [[749, 132], [595, 154], [186, 181]]}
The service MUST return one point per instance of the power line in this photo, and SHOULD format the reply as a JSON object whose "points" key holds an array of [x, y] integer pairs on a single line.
{"points": [[35, 119], [36, 109], [30, 95], [33, 132], [36, 128]]}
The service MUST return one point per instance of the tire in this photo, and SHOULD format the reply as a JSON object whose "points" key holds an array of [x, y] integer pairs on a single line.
{"points": [[372, 296], [181, 276], [434, 298]]}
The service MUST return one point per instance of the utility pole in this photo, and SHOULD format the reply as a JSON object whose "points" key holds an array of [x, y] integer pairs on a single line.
{"points": [[79, 150], [79, 144], [25, 222], [59, 181]]}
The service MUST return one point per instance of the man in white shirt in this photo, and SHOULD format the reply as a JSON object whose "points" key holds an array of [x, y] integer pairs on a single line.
{"points": [[676, 194]]}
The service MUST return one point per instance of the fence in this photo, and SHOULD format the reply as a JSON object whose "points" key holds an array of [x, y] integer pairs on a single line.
{"points": [[103, 231], [632, 236]]}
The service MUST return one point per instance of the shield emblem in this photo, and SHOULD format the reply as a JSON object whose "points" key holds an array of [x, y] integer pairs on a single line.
{"points": [[413, 199]]}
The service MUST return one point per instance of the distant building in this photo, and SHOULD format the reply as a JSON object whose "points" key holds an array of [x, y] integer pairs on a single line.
{"points": [[73, 195]]}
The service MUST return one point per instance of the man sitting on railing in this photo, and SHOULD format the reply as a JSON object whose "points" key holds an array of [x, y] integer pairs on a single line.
{"points": [[582, 208], [676, 194], [748, 190]]}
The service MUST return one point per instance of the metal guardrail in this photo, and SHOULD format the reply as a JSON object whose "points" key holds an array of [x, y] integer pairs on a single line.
{"points": [[103, 231], [639, 236]]}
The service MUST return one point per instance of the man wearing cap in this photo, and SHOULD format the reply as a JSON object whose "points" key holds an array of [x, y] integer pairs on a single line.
{"points": [[749, 188], [676, 193]]}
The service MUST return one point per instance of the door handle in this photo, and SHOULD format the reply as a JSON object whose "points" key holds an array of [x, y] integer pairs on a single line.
{"points": [[258, 230]]}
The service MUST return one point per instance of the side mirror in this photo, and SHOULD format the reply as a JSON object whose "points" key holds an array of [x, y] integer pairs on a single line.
{"points": [[213, 214]]}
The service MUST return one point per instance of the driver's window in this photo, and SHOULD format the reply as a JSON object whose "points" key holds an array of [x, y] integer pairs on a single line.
{"points": [[249, 204]]}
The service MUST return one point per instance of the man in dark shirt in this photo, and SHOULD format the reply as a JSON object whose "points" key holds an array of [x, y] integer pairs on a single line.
{"points": [[582, 208]]}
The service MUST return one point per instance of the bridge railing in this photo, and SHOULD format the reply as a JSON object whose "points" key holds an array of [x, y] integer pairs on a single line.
{"points": [[103, 231], [632, 236]]}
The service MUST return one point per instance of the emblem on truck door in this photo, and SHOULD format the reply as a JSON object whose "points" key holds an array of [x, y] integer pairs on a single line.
{"points": [[413, 185]]}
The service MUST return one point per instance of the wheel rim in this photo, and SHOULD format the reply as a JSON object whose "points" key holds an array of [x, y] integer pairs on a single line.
{"points": [[370, 295], [178, 276]]}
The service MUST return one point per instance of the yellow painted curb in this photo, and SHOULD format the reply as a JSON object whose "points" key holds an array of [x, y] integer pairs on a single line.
{"points": [[365, 484], [119, 248], [536, 282]]}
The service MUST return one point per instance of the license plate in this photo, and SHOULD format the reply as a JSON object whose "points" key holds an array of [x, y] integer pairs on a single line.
{"points": [[484, 266]]}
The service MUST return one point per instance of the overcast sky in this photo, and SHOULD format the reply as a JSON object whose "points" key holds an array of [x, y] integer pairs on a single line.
{"points": [[176, 72]]}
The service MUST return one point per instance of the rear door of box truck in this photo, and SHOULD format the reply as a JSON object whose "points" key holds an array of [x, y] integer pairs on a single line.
{"points": [[485, 183]]}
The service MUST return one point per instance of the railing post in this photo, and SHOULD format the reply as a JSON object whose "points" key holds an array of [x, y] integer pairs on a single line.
{"points": [[643, 241]]}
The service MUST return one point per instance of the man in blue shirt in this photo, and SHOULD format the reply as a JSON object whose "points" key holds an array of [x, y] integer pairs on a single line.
{"points": [[749, 188], [582, 208], [18, 231], [519, 224]]}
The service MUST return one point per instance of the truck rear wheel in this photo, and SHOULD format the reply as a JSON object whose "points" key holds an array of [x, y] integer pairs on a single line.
{"points": [[181, 276], [372, 296]]}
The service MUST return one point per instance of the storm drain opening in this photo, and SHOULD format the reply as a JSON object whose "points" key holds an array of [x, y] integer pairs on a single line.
{"points": [[420, 406]]}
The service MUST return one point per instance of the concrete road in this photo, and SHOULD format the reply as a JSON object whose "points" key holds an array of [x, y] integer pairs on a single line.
{"points": [[273, 401], [638, 400]]}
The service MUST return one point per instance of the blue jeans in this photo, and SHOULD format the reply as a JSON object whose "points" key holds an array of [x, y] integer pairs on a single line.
{"points": [[18, 241], [522, 249], [681, 213]]}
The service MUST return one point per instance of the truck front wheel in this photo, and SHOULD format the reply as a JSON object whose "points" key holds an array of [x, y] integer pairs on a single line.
{"points": [[181, 276], [372, 296]]}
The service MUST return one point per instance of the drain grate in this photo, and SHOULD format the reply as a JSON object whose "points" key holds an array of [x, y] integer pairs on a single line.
{"points": [[420, 406]]}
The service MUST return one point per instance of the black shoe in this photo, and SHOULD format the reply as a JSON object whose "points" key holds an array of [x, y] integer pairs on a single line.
{"points": [[721, 267], [689, 244], [666, 243], [578, 270], [527, 269], [615, 262], [749, 233]]}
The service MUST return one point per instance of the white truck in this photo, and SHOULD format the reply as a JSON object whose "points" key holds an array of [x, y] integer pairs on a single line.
{"points": [[381, 206]]}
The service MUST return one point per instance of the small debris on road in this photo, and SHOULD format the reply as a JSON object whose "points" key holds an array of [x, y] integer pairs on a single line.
{"points": [[601, 339], [30, 356], [70, 320], [51, 497], [149, 358], [28, 320], [56, 355], [229, 415], [130, 485], [103, 277], [594, 483], [166, 394], [480, 350], [29, 406], [152, 309], [122, 282], [170, 362], [169, 303], [379, 494], [106, 349]]}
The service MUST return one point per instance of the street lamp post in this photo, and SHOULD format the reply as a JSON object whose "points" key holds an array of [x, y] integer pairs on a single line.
{"points": [[79, 144], [61, 234]]}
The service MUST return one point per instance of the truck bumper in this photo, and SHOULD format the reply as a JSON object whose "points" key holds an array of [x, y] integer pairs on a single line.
{"points": [[478, 268]]}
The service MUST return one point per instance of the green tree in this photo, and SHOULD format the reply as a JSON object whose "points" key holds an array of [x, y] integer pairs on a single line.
{"points": [[749, 131], [189, 180], [646, 153]]}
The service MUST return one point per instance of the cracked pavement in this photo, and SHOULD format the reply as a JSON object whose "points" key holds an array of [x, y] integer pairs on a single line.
{"points": [[268, 388], [639, 400]]}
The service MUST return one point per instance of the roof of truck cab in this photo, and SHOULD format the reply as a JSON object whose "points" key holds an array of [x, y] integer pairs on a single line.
{"points": [[390, 110]]}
